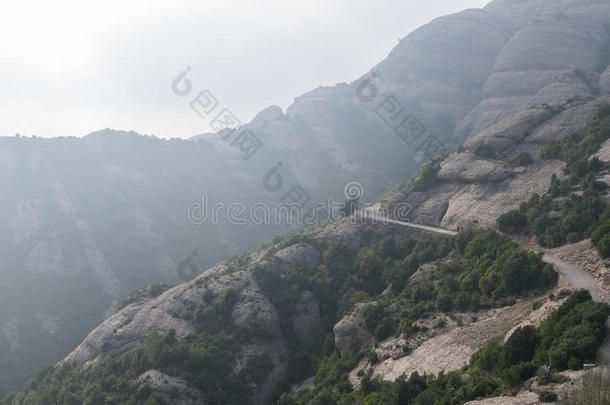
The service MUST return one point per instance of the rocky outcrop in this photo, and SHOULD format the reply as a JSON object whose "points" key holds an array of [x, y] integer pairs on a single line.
{"points": [[530, 70], [523, 398], [440, 68], [173, 390], [603, 153], [252, 311], [459, 167], [511, 132], [351, 335], [10, 330], [463, 76], [46, 257], [452, 350], [300, 254], [457, 76], [342, 232], [536, 317], [271, 113], [474, 190]]}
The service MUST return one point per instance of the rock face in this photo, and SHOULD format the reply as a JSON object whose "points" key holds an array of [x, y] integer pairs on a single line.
{"points": [[173, 390], [462, 76], [252, 311], [452, 350], [475, 190], [530, 69], [467, 197], [440, 68], [459, 167], [525, 398], [300, 254], [351, 335]]}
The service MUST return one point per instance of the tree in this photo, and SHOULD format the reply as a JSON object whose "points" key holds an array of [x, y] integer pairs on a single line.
{"points": [[603, 246], [524, 159], [521, 345], [512, 222]]}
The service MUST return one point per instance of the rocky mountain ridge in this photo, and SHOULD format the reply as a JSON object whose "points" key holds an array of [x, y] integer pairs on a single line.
{"points": [[456, 77], [469, 199]]}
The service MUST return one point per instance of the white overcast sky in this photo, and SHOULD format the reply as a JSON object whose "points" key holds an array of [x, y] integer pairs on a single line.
{"points": [[73, 67]]}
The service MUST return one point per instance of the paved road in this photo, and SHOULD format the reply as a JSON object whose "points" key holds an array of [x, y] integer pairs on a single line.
{"points": [[376, 217]]}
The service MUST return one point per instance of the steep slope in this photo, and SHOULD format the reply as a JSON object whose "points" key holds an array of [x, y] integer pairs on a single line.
{"points": [[558, 49], [274, 305], [483, 180], [63, 235]]}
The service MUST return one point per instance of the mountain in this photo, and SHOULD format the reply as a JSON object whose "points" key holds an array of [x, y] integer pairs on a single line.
{"points": [[88, 220], [356, 300]]}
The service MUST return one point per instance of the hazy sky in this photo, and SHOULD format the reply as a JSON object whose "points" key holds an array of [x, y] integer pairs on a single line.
{"points": [[72, 67]]}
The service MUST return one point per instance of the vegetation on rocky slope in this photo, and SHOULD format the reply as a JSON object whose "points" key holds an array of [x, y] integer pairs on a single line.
{"points": [[475, 270], [571, 209], [569, 337], [401, 282], [595, 390]]}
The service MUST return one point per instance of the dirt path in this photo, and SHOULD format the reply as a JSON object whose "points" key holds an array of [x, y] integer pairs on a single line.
{"points": [[578, 278], [574, 276]]}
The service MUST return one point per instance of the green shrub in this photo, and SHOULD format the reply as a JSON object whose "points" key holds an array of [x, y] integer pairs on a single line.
{"points": [[373, 314], [604, 111], [580, 215], [521, 346], [574, 363], [372, 357], [524, 159], [512, 222], [427, 177], [386, 328]]}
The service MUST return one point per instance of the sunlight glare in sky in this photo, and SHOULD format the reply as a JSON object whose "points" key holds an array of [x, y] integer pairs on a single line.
{"points": [[71, 67]]}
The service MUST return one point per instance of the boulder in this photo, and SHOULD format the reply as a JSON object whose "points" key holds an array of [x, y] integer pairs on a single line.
{"points": [[468, 167], [351, 335], [300, 254], [173, 390]]}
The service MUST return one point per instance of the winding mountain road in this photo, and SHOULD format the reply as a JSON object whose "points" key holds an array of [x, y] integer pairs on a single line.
{"points": [[580, 279], [364, 214], [576, 277]]}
